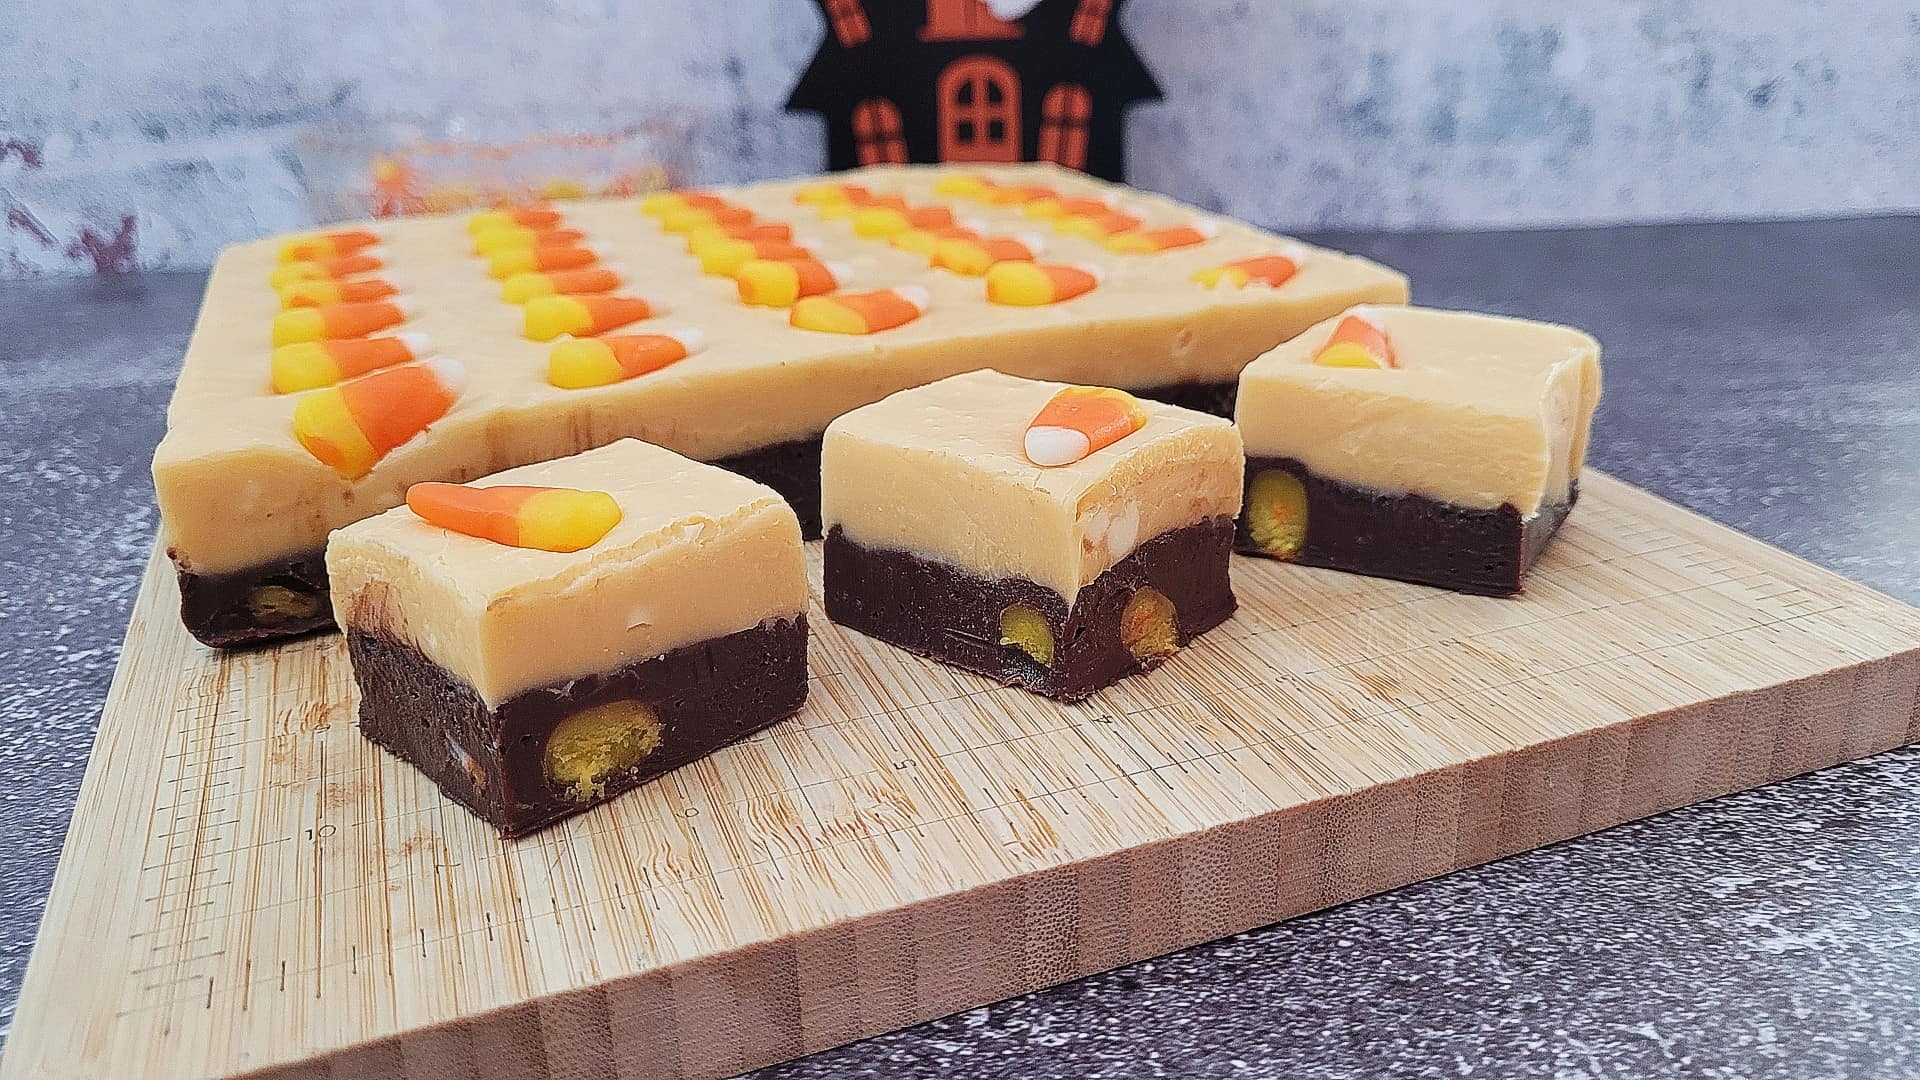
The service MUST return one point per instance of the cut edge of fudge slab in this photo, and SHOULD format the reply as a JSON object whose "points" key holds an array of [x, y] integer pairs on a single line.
{"points": [[947, 613], [704, 696], [270, 602], [1408, 536]]}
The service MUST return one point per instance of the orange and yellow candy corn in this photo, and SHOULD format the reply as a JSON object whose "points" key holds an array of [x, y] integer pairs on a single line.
{"points": [[1269, 270], [822, 194], [862, 201], [726, 257], [1097, 226], [780, 282], [1147, 241], [974, 257], [860, 313], [332, 321], [361, 262], [886, 221], [685, 221], [965, 185], [582, 362], [542, 518], [504, 264], [756, 231], [521, 288], [547, 317], [1060, 206], [531, 217], [1360, 341], [352, 291], [350, 427], [1080, 420], [923, 241], [662, 203], [509, 237], [309, 365], [1016, 194], [1025, 284], [326, 245]]}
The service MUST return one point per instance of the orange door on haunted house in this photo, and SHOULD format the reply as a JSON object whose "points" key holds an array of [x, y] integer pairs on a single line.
{"points": [[979, 101]]}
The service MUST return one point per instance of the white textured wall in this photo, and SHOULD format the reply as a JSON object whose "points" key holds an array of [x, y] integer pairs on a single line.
{"points": [[138, 133]]}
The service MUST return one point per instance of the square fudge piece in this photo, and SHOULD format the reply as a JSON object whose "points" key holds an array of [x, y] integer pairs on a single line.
{"points": [[1440, 447], [548, 637], [946, 538]]}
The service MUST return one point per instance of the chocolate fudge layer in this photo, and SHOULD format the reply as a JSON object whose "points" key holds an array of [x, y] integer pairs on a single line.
{"points": [[888, 594], [240, 498]]}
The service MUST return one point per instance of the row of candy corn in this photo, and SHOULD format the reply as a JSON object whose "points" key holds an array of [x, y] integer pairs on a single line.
{"points": [[769, 268]]}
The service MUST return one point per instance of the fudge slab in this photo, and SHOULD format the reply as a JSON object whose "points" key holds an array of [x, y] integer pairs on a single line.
{"points": [[245, 510], [501, 672], [1452, 468], [942, 536]]}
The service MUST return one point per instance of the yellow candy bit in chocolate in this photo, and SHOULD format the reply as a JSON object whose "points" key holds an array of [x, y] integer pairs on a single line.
{"points": [[1150, 627], [1360, 341], [1026, 629], [1080, 420], [1025, 284], [594, 746], [1277, 513], [543, 518]]}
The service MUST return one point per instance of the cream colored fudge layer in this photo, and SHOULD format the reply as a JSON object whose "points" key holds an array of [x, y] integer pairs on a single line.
{"points": [[940, 472], [235, 489], [699, 553], [1482, 411]]}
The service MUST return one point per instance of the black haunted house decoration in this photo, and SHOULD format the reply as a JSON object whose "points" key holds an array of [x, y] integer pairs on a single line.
{"points": [[948, 80]]}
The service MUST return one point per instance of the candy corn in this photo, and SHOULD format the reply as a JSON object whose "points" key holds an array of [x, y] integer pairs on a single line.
{"points": [[1097, 226], [350, 427], [822, 194], [860, 313], [973, 257], [1360, 341], [508, 237], [1080, 420], [965, 185], [726, 257], [778, 283], [521, 288], [582, 362], [326, 245], [923, 241], [547, 317], [309, 365], [886, 221], [662, 203], [364, 261], [684, 221], [1269, 270], [542, 518], [504, 264], [1025, 284], [835, 210], [1016, 194], [352, 291], [750, 230], [1058, 207], [531, 217], [1146, 241], [332, 321]]}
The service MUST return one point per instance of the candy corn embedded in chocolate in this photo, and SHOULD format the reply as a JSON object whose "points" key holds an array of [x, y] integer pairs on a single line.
{"points": [[531, 217], [973, 257], [726, 257], [350, 427], [1269, 270], [521, 288], [860, 313], [509, 237], [365, 261], [504, 264], [542, 518], [1025, 284], [603, 361], [662, 203], [331, 321], [746, 230], [1360, 341], [684, 221], [1080, 420], [1097, 226], [780, 282], [309, 365], [351, 291], [1147, 241], [326, 245], [547, 317]]}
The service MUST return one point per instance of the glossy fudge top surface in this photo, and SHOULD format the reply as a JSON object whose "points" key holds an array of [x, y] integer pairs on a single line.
{"points": [[698, 553], [1481, 411], [941, 471], [236, 489]]}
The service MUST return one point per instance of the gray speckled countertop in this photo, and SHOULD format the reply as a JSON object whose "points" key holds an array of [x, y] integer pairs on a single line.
{"points": [[1765, 375]]}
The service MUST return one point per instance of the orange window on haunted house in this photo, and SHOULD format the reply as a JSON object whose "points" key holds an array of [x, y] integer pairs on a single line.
{"points": [[1063, 125], [877, 136], [1090, 21], [979, 100], [849, 22]]}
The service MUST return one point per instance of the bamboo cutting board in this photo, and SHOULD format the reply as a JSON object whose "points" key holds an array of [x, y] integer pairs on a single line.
{"points": [[249, 885]]}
